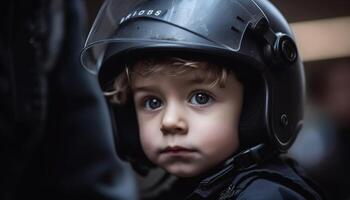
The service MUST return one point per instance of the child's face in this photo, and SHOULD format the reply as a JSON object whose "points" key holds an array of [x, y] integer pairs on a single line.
{"points": [[187, 126]]}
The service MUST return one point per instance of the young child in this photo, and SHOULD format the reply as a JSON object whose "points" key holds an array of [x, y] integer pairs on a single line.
{"points": [[211, 91]]}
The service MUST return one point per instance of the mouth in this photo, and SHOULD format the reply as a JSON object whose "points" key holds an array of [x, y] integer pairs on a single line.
{"points": [[177, 149]]}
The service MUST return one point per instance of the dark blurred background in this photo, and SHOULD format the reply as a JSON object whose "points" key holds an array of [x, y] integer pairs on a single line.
{"points": [[56, 139]]}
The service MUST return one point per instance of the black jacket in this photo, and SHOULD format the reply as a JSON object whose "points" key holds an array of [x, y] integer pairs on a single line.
{"points": [[276, 178]]}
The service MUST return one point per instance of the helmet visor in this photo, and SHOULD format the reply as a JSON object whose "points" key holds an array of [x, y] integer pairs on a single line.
{"points": [[210, 23]]}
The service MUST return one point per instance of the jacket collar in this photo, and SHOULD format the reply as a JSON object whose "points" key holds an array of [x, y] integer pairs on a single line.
{"points": [[219, 178]]}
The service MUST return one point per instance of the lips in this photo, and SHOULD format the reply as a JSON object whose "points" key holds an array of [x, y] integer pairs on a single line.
{"points": [[177, 149]]}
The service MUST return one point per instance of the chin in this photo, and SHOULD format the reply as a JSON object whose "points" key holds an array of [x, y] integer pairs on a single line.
{"points": [[183, 171]]}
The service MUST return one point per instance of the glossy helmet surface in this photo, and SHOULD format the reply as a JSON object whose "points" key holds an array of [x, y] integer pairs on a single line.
{"points": [[250, 32]]}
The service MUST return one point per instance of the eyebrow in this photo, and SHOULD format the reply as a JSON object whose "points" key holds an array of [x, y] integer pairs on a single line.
{"points": [[148, 88], [153, 87], [197, 80]]}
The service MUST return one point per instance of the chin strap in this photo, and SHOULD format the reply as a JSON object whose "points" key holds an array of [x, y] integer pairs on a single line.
{"points": [[242, 161], [252, 157]]}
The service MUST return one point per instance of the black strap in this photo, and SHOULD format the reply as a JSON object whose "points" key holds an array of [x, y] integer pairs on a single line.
{"points": [[243, 161], [253, 157]]}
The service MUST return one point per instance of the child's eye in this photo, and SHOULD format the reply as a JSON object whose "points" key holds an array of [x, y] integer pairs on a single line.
{"points": [[152, 103], [200, 98]]}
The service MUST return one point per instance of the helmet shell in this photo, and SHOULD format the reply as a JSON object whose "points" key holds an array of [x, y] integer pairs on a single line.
{"points": [[250, 32]]}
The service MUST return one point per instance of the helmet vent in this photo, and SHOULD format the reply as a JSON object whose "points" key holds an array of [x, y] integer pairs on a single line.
{"points": [[240, 19], [235, 29]]}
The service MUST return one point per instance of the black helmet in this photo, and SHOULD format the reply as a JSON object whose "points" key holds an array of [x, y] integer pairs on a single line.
{"points": [[251, 32]]}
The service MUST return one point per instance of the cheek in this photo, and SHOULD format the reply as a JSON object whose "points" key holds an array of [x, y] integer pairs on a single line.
{"points": [[148, 131], [219, 135], [218, 131]]}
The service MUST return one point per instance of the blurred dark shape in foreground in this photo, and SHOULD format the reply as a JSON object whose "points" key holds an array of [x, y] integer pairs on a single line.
{"points": [[55, 130], [323, 146]]}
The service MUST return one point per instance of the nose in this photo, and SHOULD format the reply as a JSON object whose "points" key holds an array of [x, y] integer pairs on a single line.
{"points": [[173, 120]]}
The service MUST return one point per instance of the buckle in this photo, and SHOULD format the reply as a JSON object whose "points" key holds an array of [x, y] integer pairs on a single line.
{"points": [[251, 157]]}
